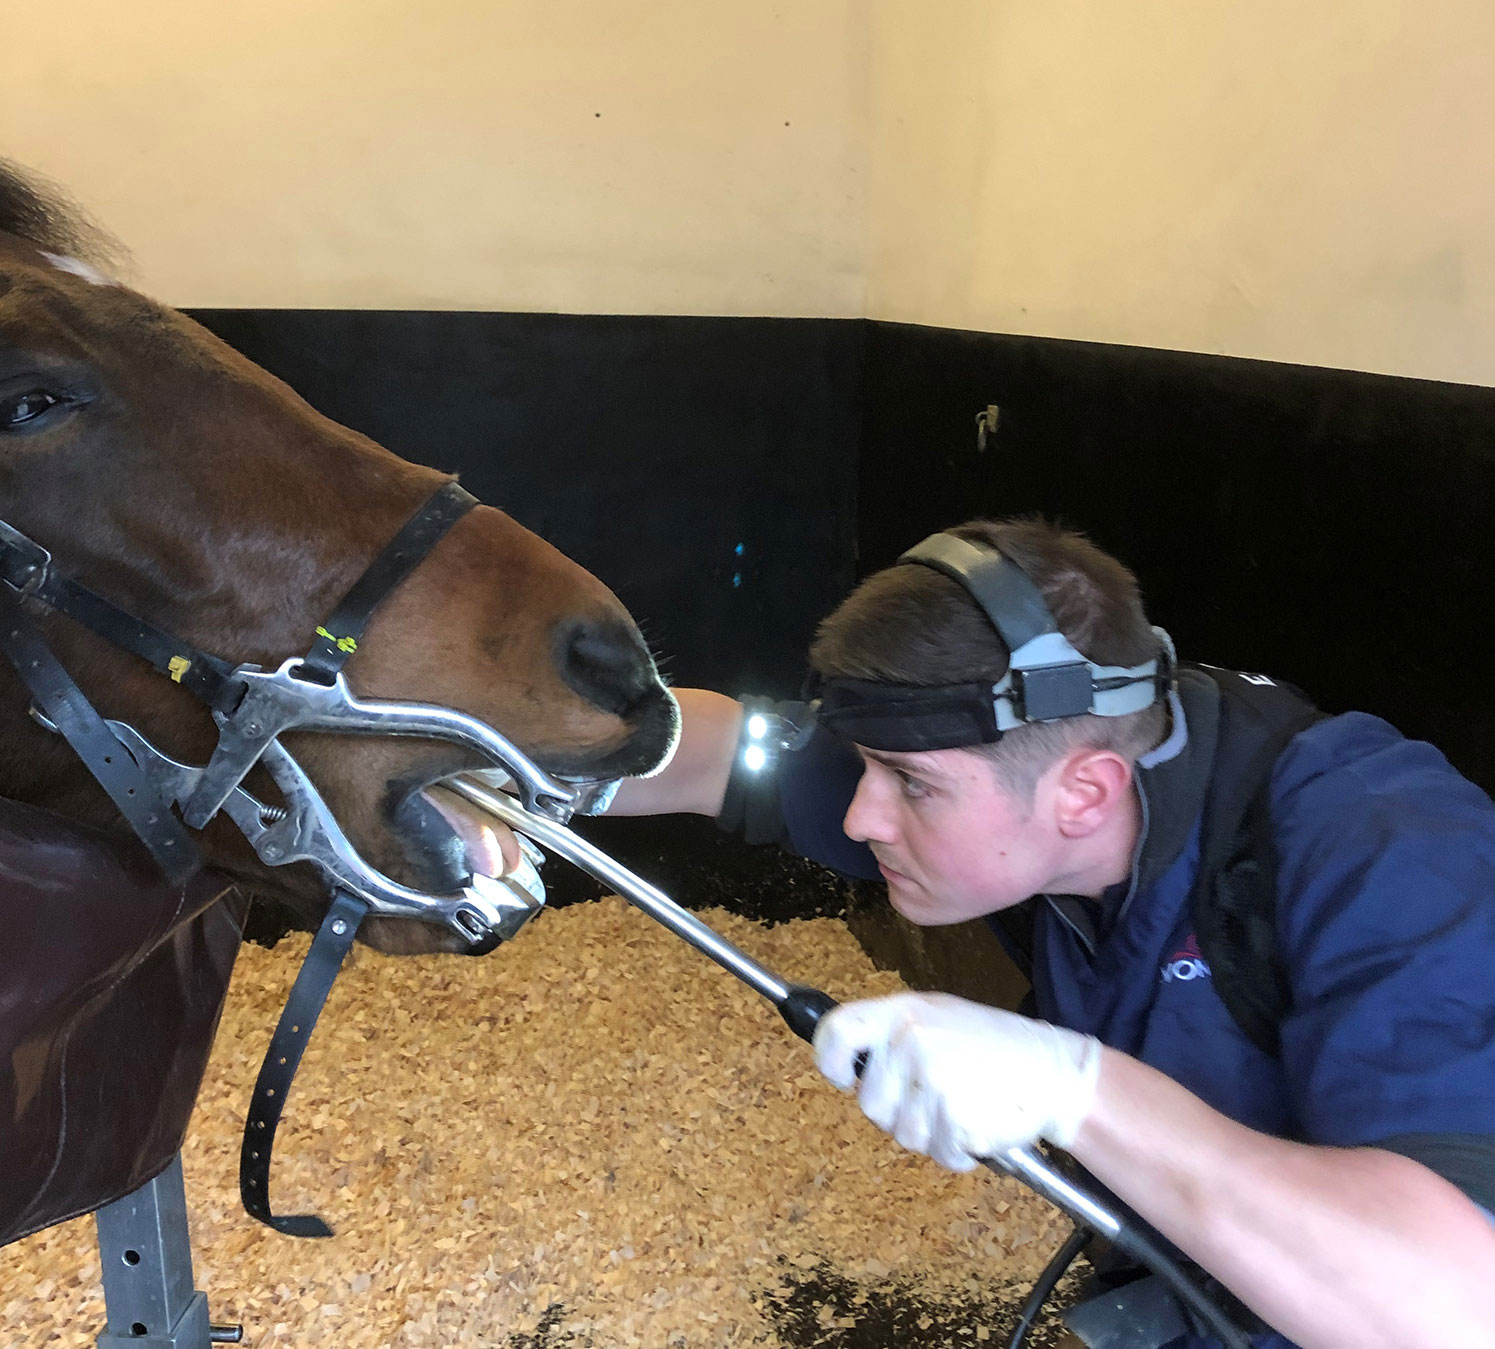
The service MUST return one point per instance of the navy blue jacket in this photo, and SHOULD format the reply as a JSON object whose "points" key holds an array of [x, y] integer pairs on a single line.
{"points": [[1385, 918]]}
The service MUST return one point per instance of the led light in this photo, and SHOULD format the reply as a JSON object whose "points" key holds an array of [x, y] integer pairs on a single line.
{"points": [[757, 727], [754, 757]]}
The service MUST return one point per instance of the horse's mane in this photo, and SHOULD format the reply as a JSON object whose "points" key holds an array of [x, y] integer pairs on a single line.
{"points": [[43, 214]]}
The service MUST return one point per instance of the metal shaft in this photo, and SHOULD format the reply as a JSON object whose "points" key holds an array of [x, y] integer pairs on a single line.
{"points": [[1024, 1163], [1030, 1167], [1021, 1162], [634, 889]]}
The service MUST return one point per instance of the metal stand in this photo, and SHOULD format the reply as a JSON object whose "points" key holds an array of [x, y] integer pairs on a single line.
{"points": [[148, 1295]]}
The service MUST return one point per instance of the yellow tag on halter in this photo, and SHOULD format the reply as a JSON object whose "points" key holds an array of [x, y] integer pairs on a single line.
{"points": [[342, 643], [177, 666]]}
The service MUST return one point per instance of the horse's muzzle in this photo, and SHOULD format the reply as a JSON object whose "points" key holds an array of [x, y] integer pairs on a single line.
{"points": [[605, 660]]}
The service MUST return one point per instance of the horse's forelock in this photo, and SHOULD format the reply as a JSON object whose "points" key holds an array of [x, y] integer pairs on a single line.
{"points": [[43, 215]]}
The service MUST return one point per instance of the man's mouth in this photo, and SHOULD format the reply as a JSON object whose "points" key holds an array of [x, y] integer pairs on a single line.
{"points": [[890, 874]]}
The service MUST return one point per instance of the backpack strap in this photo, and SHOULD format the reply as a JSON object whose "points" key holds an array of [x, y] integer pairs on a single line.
{"points": [[1234, 899]]}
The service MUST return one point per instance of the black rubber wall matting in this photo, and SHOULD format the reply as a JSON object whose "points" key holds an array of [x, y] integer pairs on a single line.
{"points": [[704, 468], [1325, 526]]}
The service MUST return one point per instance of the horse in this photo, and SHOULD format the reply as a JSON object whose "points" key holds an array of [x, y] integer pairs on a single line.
{"points": [[195, 491]]}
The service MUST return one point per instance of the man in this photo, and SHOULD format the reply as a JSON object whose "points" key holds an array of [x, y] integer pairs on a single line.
{"points": [[1330, 1170]]}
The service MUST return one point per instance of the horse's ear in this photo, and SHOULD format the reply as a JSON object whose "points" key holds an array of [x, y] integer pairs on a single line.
{"points": [[41, 213]]}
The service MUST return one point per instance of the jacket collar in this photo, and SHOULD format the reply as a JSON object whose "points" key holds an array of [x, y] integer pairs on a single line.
{"points": [[1171, 783]]}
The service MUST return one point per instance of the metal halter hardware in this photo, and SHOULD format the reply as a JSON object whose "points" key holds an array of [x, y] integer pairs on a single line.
{"points": [[252, 708]]}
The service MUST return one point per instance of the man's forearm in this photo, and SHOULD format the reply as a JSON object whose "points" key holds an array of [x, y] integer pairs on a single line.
{"points": [[695, 779], [1335, 1247]]}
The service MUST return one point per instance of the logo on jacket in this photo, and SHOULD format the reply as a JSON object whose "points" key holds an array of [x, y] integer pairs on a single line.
{"points": [[1186, 963]]}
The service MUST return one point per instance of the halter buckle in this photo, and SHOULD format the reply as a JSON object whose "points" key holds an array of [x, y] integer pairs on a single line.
{"points": [[24, 563]]}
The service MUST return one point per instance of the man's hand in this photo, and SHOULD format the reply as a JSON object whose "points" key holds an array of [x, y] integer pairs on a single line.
{"points": [[957, 1080]]}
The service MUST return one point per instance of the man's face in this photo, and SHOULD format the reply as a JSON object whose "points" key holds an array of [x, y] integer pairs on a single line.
{"points": [[952, 842]]}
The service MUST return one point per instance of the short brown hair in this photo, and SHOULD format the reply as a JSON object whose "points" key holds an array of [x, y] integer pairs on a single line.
{"points": [[912, 625]]}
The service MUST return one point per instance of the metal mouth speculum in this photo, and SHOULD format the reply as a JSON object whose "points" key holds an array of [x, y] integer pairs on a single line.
{"points": [[303, 829], [277, 701]]}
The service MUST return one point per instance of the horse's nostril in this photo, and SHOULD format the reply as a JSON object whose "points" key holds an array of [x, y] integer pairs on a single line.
{"points": [[605, 662]]}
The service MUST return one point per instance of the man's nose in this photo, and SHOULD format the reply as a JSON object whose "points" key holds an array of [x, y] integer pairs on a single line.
{"points": [[867, 821]]}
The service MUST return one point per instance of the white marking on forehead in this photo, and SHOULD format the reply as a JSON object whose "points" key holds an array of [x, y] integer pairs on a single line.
{"points": [[77, 267]]}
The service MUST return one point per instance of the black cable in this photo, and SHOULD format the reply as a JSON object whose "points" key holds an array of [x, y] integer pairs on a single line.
{"points": [[1131, 1236], [1132, 1239], [803, 1007], [1055, 1270]]}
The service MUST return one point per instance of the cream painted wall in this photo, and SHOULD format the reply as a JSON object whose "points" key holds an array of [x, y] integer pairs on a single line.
{"points": [[1268, 178], [593, 156], [1265, 178]]}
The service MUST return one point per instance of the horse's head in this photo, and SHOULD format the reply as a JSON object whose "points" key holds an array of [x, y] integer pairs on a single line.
{"points": [[182, 482]]}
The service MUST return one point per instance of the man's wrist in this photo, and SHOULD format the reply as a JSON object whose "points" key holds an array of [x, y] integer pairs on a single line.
{"points": [[750, 803], [1075, 1099]]}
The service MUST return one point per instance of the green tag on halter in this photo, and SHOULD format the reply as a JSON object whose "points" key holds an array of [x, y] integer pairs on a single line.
{"points": [[342, 643]]}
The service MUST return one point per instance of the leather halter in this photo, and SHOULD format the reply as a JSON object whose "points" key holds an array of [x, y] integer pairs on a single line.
{"points": [[27, 572]]}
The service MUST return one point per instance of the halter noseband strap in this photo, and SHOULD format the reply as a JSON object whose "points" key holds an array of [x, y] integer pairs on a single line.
{"points": [[27, 573], [26, 568]]}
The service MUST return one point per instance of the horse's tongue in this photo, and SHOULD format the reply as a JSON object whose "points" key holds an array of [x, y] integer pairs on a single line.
{"points": [[491, 848]]}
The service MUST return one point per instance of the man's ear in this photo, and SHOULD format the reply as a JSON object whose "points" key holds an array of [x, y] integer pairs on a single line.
{"points": [[1092, 784]]}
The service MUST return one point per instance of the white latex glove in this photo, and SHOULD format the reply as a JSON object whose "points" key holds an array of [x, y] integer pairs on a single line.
{"points": [[957, 1080]]}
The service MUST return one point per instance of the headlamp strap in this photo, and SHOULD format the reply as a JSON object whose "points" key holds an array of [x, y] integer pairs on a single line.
{"points": [[1008, 598], [1047, 678]]}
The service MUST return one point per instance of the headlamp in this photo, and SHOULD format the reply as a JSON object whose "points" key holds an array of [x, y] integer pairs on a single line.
{"points": [[765, 735], [750, 805], [1047, 678]]}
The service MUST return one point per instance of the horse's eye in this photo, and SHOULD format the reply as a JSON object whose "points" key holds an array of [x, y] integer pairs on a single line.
{"points": [[19, 409]]}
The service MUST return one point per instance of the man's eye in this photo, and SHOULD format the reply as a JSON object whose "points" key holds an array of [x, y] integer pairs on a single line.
{"points": [[911, 786], [20, 408]]}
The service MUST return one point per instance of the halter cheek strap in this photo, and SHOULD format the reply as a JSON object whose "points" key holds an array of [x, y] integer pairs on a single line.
{"points": [[337, 638], [63, 703]]}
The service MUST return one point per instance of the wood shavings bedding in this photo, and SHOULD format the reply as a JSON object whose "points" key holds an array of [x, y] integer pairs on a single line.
{"points": [[592, 1137]]}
